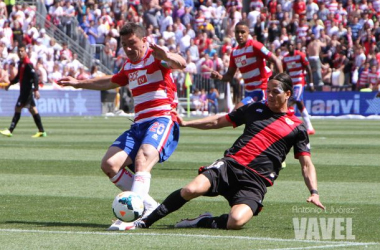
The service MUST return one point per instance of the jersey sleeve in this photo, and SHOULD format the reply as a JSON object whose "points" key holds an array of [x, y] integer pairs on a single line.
{"points": [[302, 144], [262, 50], [33, 75], [120, 78], [232, 62], [238, 116]]}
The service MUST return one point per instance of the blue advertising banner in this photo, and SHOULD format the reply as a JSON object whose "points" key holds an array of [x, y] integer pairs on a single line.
{"points": [[56, 103], [342, 103]]}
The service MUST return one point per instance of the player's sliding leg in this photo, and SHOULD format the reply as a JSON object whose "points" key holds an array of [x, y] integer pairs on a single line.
{"points": [[239, 215], [197, 187]]}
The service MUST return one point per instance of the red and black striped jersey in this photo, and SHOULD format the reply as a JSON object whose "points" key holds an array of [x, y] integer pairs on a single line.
{"points": [[267, 139]]}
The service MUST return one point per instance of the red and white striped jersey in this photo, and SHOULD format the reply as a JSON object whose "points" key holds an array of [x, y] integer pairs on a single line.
{"points": [[363, 79], [152, 86], [302, 31], [373, 79], [295, 66], [250, 60], [333, 7]]}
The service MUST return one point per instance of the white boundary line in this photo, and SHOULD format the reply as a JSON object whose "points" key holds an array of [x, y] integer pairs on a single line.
{"points": [[118, 233]]}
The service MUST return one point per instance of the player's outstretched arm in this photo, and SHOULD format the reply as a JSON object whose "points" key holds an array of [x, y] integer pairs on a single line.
{"points": [[227, 77], [310, 177], [277, 62], [99, 83], [210, 122], [174, 60]]}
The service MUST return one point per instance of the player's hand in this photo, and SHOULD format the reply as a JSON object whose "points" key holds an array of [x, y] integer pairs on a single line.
{"points": [[181, 122], [159, 52], [311, 87], [37, 94], [378, 95], [216, 75], [68, 81], [314, 198]]}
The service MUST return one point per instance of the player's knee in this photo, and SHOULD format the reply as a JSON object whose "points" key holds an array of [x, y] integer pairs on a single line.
{"points": [[108, 167], [236, 222], [31, 110], [189, 192]]}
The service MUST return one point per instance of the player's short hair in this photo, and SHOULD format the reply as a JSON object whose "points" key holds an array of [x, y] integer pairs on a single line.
{"points": [[133, 28], [21, 45], [286, 81], [242, 23]]}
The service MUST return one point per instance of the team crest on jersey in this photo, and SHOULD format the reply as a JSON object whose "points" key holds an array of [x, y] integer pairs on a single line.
{"points": [[288, 121]]}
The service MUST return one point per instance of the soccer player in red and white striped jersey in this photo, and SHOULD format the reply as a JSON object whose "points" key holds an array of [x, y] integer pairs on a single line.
{"points": [[249, 58], [154, 134], [295, 62]]}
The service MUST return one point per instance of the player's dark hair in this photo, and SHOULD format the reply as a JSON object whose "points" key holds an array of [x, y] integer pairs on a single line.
{"points": [[242, 23], [286, 81], [21, 45], [133, 28]]}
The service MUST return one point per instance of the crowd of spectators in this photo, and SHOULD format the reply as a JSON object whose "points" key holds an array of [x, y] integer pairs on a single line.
{"points": [[347, 32]]}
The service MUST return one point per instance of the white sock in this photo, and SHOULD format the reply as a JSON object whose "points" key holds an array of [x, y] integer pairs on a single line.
{"points": [[141, 183], [306, 118], [123, 179]]}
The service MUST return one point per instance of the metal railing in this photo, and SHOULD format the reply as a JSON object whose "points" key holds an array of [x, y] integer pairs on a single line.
{"points": [[77, 41]]}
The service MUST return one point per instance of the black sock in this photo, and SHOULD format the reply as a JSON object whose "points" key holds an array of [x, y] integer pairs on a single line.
{"points": [[16, 118], [37, 120], [214, 222], [172, 203]]}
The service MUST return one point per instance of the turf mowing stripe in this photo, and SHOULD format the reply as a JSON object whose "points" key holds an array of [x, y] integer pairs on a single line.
{"points": [[324, 246], [338, 243]]}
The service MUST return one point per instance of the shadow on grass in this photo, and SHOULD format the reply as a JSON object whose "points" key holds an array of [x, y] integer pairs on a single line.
{"points": [[83, 225], [58, 224]]}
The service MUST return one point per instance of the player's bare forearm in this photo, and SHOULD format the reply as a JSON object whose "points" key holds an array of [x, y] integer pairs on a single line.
{"points": [[310, 178], [176, 61], [227, 77], [308, 172], [99, 83], [278, 63], [210, 122]]}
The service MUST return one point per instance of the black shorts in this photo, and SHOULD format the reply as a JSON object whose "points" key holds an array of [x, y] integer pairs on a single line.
{"points": [[26, 101], [236, 183]]}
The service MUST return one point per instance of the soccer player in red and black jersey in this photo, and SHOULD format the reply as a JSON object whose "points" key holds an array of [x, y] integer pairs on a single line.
{"points": [[28, 79], [250, 58], [252, 163]]}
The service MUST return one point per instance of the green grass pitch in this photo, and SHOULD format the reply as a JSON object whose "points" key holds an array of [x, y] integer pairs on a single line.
{"points": [[53, 194]]}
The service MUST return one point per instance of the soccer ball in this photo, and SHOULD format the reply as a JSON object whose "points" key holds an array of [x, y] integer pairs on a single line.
{"points": [[128, 206]]}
